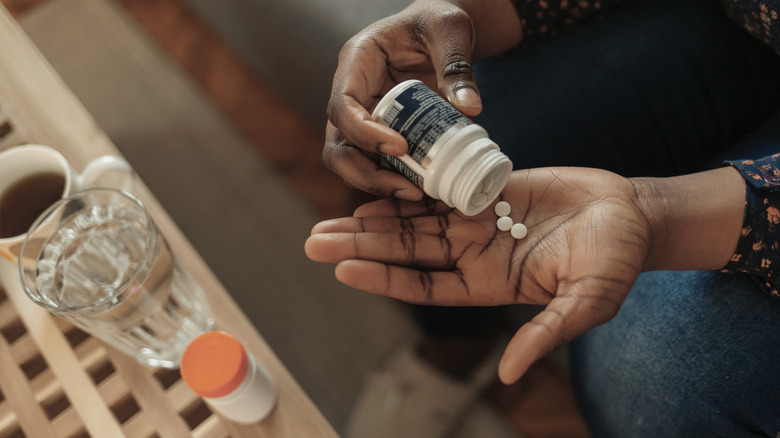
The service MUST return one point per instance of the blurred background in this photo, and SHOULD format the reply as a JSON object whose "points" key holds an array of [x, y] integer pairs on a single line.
{"points": [[220, 107]]}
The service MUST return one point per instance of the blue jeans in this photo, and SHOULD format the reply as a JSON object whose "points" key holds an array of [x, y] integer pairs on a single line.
{"points": [[656, 88], [690, 354]]}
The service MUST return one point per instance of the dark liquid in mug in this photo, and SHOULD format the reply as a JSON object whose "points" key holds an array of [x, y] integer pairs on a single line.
{"points": [[26, 199]]}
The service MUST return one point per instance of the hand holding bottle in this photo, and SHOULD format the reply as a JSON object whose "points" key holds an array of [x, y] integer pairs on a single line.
{"points": [[435, 41]]}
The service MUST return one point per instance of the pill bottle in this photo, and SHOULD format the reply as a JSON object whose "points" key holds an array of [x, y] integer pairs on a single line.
{"points": [[228, 378], [450, 157]]}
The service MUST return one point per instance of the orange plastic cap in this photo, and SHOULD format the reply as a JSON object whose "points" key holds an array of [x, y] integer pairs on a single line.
{"points": [[214, 364]]}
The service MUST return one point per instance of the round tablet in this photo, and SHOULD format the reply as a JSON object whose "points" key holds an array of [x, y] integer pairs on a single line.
{"points": [[519, 231], [478, 199], [504, 223], [503, 209], [487, 185]]}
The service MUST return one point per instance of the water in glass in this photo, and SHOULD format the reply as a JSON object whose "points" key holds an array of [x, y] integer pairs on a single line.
{"points": [[120, 281]]}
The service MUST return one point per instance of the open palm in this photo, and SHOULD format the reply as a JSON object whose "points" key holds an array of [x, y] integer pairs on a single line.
{"points": [[587, 242]]}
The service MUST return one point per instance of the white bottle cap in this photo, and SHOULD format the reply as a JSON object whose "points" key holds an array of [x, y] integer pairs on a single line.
{"points": [[479, 168]]}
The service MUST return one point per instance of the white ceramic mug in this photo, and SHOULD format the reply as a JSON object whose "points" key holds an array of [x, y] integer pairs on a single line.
{"points": [[22, 162]]}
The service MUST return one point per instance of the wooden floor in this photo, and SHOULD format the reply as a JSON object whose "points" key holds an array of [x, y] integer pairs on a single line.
{"points": [[541, 405]]}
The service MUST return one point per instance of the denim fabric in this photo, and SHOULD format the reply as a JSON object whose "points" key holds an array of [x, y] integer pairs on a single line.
{"points": [[690, 354]]}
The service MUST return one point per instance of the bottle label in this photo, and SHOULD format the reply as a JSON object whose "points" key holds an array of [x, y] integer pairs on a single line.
{"points": [[422, 117], [390, 162]]}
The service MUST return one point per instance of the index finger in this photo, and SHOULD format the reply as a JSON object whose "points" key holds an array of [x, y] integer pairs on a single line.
{"points": [[356, 124], [408, 284], [360, 81]]}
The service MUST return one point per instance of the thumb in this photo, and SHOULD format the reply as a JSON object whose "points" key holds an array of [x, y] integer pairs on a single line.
{"points": [[452, 59], [578, 307], [533, 340]]}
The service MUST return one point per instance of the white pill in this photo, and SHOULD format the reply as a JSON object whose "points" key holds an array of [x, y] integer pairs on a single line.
{"points": [[478, 199], [519, 231], [487, 185], [504, 223], [503, 209]]}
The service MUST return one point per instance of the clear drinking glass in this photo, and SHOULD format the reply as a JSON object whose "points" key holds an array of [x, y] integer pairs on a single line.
{"points": [[97, 259]]}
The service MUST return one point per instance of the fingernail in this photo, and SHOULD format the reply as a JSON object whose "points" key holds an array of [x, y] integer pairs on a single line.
{"points": [[467, 97], [408, 194], [391, 149]]}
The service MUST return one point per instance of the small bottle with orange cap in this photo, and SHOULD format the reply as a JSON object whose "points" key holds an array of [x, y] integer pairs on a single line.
{"points": [[218, 368]]}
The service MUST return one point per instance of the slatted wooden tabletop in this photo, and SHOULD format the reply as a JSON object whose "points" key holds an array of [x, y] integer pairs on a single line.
{"points": [[55, 380]]}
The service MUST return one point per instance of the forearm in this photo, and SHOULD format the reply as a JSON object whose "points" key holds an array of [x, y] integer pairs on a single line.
{"points": [[695, 219]]}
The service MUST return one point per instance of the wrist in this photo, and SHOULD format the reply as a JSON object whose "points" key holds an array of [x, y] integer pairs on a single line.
{"points": [[694, 220]]}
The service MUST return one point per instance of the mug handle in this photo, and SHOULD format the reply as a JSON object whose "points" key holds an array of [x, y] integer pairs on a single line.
{"points": [[121, 179]]}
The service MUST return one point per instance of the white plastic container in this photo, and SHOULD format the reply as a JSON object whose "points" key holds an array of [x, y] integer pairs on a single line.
{"points": [[228, 378], [450, 157]]}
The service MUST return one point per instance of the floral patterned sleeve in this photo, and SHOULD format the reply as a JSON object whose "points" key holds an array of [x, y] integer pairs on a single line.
{"points": [[758, 249], [539, 17], [757, 17]]}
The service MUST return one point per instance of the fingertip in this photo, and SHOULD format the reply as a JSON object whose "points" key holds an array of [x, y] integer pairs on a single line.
{"points": [[518, 356], [344, 271], [366, 275], [318, 228], [309, 247], [467, 100], [412, 194], [508, 371], [384, 138], [333, 226], [340, 268], [505, 379], [392, 149], [326, 247]]}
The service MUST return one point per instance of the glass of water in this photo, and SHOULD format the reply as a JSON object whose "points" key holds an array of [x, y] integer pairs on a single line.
{"points": [[97, 259]]}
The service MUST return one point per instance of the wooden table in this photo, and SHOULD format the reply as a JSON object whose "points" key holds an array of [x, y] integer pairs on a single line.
{"points": [[57, 381]]}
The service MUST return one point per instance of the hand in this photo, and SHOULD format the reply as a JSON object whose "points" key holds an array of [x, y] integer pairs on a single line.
{"points": [[587, 241], [432, 40]]}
